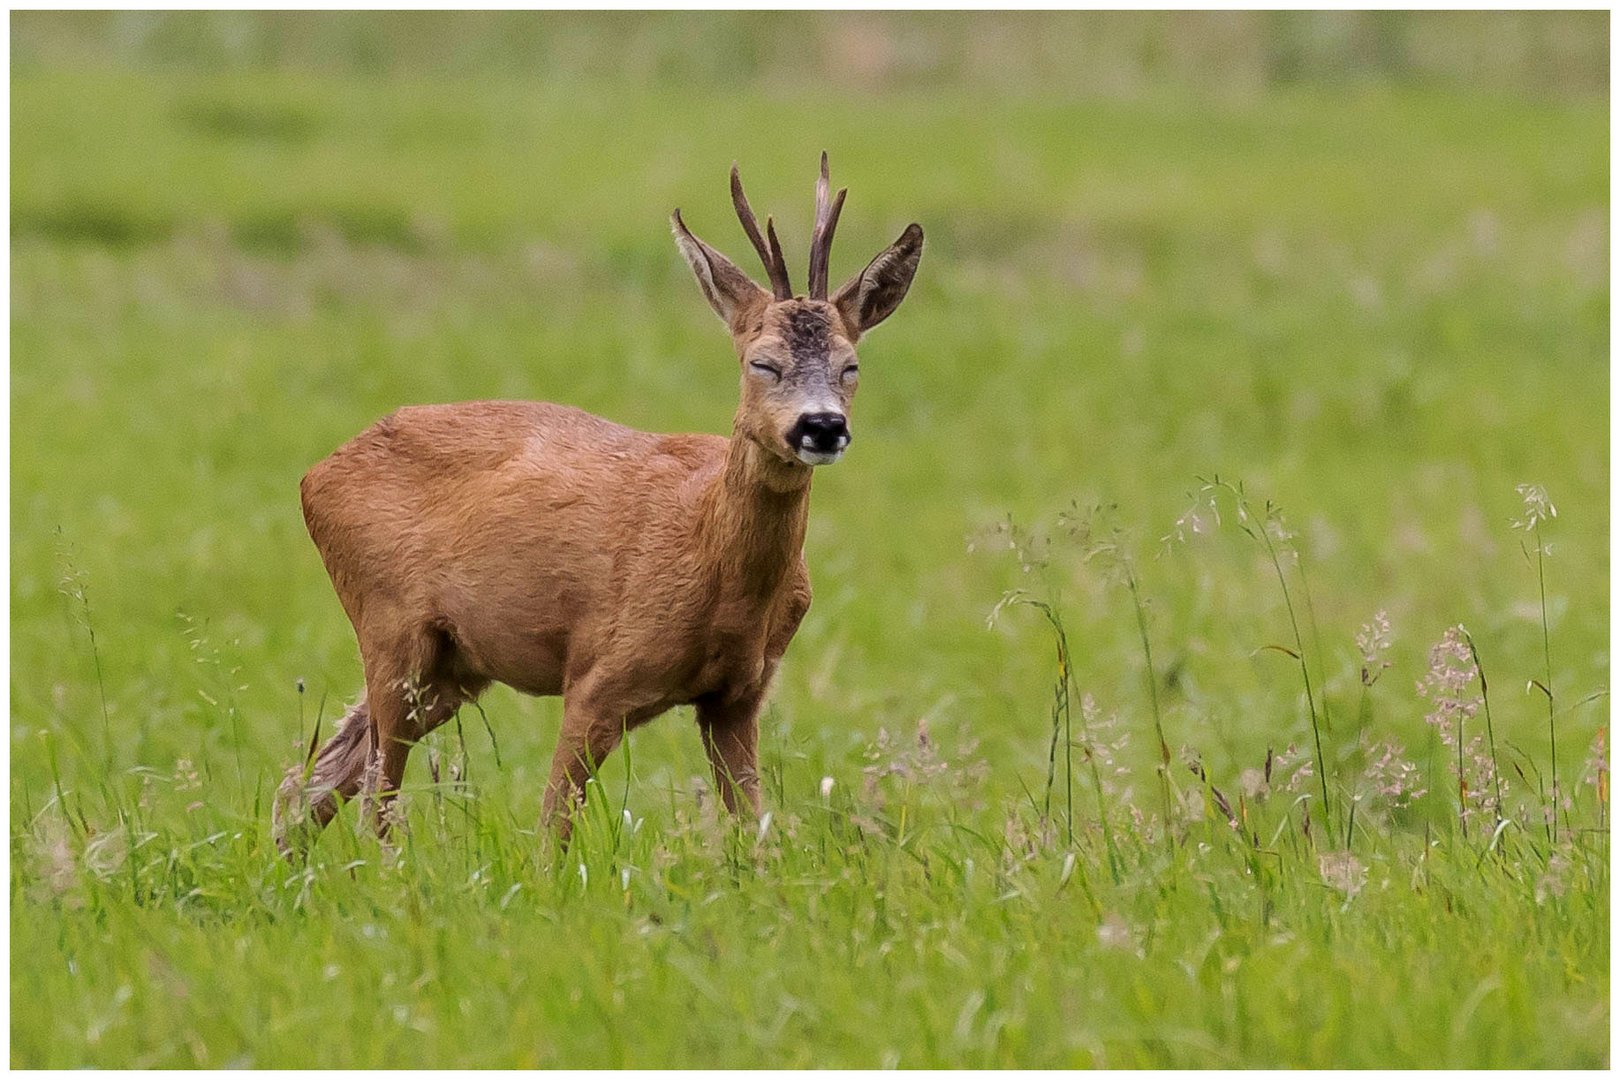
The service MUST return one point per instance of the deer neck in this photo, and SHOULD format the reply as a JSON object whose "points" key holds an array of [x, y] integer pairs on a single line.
{"points": [[751, 528]]}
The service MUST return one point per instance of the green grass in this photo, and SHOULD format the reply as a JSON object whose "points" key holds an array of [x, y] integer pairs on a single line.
{"points": [[1382, 303]]}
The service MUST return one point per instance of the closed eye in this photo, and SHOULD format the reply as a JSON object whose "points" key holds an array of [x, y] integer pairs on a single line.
{"points": [[851, 371], [765, 369]]}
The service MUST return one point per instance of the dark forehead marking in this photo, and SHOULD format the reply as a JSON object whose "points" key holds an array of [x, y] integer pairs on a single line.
{"points": [[807, 332]]}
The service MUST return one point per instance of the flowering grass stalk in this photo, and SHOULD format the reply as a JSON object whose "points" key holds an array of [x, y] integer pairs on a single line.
{"points": [[1451, 670], [74, 587], [1107, 545], [1597, 774], [1263, 535], [1163, 769], [1025, 545], [1061, 720], [1538, 509], [1372, 642], [1490, 730]]}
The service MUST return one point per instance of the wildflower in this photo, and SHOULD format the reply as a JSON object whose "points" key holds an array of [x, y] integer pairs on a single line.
{"points": [[826, 787], [1374, 641]]}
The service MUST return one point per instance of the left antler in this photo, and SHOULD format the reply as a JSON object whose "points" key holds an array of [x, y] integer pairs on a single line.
{"points": [[771, 256]]}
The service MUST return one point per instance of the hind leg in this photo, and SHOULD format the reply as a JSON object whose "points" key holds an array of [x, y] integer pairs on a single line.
{"points": [[411, 688], [306, 803]]}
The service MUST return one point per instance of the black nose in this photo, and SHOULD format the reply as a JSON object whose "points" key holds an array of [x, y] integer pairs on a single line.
{"points": [[820, 433]]}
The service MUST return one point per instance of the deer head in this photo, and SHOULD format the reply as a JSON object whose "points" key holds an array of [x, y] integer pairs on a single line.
{"points": [[799, 370]]}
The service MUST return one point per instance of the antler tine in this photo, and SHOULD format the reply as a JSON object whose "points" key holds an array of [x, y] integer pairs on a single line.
{"points": [[775, 264], [821, 238], [778, 261]]}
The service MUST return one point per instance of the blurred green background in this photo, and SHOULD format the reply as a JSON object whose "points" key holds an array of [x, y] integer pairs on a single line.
{"points": [[1358, 260]]}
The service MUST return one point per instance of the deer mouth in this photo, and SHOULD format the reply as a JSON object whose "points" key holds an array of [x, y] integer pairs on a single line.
{"points": [[818, 457]]}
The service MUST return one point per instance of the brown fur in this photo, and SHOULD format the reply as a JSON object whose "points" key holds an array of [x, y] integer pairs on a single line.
{"points": [[542, 547]]}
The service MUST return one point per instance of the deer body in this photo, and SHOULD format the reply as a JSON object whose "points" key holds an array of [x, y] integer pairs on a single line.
{"points": [[551, 550]]}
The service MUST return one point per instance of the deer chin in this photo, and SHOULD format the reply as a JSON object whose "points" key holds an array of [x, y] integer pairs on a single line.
{"points": [[813, 458]]}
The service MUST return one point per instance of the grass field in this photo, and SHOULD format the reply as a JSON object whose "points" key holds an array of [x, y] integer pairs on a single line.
{"points": [[1380, 300]]}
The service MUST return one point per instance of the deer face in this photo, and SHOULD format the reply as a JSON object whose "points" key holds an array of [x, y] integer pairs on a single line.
{"points": [[799, 370], [799, 377]]}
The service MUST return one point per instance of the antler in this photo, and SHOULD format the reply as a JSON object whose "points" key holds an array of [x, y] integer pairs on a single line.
{"points": [[821, 238], [771, 256]]}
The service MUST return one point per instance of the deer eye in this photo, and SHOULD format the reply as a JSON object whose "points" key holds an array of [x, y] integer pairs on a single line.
{"points": [[851, 371], [766, 369]]}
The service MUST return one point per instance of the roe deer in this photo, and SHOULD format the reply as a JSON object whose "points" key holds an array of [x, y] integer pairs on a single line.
{"points": [[548, 549]]}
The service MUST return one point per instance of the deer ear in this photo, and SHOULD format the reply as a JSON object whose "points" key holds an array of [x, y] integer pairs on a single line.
{"points": [[727, 289], [872, 295]]}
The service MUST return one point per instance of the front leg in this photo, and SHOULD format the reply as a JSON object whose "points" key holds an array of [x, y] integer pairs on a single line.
{"points": [[730, 721], [730, 727], [590, 732]]}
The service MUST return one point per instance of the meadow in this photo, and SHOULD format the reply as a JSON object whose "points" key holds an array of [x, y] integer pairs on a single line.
{"points": [[1131, 724]]}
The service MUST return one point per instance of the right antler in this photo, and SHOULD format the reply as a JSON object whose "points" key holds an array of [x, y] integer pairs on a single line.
{"points": [[821, 239], [771, 256]]}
